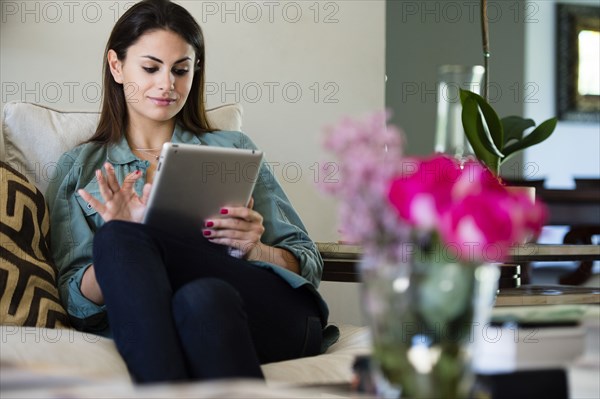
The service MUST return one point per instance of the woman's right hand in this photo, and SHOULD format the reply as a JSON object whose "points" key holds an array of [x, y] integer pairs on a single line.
{"points": [[120, 202]]}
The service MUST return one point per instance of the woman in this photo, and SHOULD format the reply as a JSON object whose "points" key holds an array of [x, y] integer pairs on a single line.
{"points": [[177, 309]]}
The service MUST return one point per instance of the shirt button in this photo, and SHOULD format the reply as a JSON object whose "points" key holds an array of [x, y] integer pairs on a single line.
{"points": [[89, 205]]}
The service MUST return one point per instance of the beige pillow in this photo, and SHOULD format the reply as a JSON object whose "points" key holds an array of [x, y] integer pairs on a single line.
{"points": [[34, 136]]}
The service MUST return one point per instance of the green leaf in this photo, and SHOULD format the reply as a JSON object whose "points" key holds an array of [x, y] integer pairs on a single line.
{"points": [[539, 134], [486, 137], [464, 94], [495, 129], [492, 122], [514, 127], [475, 133]]}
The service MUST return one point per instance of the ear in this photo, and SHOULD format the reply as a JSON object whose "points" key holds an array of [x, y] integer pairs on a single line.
{"points": [[115, 65]]}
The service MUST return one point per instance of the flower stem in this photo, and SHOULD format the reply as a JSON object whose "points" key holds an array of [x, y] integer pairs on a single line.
{"points": [[486, 48]]}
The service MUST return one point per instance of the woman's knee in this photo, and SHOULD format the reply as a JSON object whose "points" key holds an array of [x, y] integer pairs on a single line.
{"points": [[210, 299], [112, 232], [120, 246]]}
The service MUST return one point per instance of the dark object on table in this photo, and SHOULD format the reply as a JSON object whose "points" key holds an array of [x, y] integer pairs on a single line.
{"points": [[585, 183], [525, 384], [363, 380], [510, 276]]}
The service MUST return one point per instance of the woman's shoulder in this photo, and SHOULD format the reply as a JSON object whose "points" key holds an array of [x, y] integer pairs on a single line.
{"points": [[72, 164], [228, 138], [87, 154], [83, 151]]}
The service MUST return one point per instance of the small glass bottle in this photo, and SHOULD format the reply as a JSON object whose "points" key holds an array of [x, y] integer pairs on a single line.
{"points": [[450, 137]]}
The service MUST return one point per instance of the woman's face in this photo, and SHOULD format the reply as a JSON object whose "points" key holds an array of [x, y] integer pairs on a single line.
{"points": [[156, 74]]}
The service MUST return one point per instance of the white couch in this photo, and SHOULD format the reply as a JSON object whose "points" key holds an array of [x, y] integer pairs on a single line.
{"points": [[33, 137]]}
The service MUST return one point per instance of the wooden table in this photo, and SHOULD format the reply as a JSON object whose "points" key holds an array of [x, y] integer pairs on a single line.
{"points": [[547, 295], [341, 264], [341, 259]]}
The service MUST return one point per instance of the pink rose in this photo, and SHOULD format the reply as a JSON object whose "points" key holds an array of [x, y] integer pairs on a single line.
{"points": [[486, 220], [481, 227], [475, 178], [422, 196]]}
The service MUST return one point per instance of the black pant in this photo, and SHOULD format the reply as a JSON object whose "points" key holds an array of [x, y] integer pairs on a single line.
{"points": [[185, 309]]}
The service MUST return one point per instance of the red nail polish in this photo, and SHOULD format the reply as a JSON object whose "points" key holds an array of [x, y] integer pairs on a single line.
{"points": [[224, 211], [209, 224], [206, 232]]}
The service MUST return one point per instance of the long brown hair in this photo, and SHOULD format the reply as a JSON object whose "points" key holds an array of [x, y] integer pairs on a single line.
{"points": [[143, 17]]}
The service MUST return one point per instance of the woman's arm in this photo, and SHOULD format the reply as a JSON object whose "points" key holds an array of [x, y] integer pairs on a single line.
{"points": [[90, 287], [277, 256], [72, 237], [283, 228]]}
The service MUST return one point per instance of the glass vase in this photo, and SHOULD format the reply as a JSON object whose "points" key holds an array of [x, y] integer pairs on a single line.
{"points": [[423, 317], [450, 137]]}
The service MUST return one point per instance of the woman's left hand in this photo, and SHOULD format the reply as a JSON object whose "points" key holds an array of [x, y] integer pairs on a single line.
{"points": [[237, 227]]}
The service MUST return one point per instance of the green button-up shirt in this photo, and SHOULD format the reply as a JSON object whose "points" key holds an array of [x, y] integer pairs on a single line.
{"points": [[74, 221]]}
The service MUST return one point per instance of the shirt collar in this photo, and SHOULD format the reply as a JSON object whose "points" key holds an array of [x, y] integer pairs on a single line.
{"points": [[120, 153], [183, 136]]}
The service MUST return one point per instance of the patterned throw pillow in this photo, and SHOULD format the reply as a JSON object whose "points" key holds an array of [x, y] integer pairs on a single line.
{"points": [[28, 292]]}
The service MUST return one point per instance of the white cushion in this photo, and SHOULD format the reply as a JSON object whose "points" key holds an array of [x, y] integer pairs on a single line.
{"points": [[84, 355], [81, 355], [332, 367], [34, 137]]}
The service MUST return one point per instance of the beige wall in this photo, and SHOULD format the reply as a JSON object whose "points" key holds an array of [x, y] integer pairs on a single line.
{"points": [[573, 151], [294, 65]]}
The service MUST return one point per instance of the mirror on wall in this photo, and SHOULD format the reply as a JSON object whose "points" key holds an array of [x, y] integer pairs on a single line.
{"points": [[578, 57]]}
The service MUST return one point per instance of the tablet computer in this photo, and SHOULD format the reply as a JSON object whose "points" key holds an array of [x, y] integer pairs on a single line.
{"points": [[193, 182]]}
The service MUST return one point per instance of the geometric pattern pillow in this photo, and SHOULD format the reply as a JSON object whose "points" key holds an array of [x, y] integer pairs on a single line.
{"points": [[28, 291]]}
